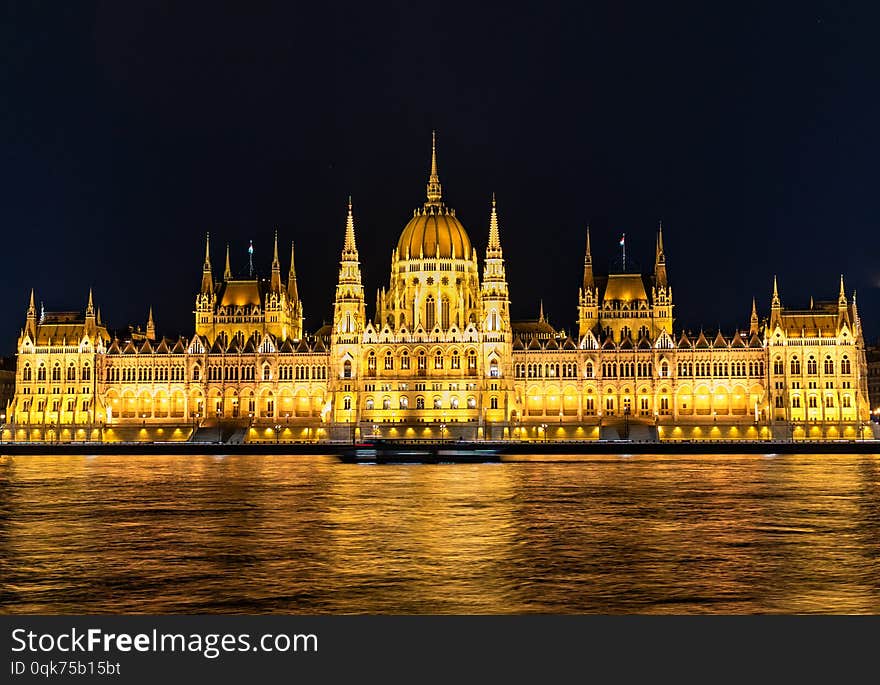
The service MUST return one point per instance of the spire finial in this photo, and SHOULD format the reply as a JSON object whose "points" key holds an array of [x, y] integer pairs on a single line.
{"points": [[434, 190], [91, 304], [31, 304], [207, 250], [775, 301], [588, 255], [275, 251], [350, 245], [661, 256], [541, 311]]}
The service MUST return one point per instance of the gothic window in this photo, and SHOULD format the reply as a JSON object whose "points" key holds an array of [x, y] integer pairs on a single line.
{"points": [[664, 369], [196, 372], [811, 402], [26, 372], [404, 402], [494, 371], [267, 372], [369, 403], [453, 403], [846, 402], [438, 360], [422, 364], [444, 313], [404, 360], [71, 373], [472, 360], [588, 370], [346, 403], [829, 366], [386, 403], [456, 360], [795, 367], [56, 372], [429, 312], [796, 402], [346, 369], [389, 360], [472, 402], [437, 403], [777, 366], [420, 402], [812, 366], [493, 402], [779, 402], [829, 401], [845, 366]]}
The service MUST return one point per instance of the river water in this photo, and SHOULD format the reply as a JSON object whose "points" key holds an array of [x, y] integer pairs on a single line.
{"points": [[253, 534]]}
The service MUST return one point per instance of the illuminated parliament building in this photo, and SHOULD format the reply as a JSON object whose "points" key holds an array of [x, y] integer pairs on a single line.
{"points": [[440, 357]]}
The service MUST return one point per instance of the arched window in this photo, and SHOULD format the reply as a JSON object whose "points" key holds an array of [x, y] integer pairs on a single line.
{"points": [[456, 360], [430, 312], [453, 403], [56, 372], [845, 366], [420, 402], [41, 373], [778, 369], [438, 360], [346, 369], [588, 370], [404, 402], [795, 367], [493, 402], [438, 404], [472, 361], [389, 360], [267, 372], [472, 402], [404, 360], [26, 372], [369, 403], [829, 366], [386, 403], [494, 371], [71, 373], [444, 313], [812, 366], [346, 403]]}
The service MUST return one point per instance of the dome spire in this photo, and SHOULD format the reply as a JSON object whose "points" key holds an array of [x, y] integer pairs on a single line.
{"points": [[350, 246], [227, 272], [434, 191]]}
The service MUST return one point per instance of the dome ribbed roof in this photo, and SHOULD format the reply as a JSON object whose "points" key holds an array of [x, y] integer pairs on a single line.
{"points": [[434, 231]]}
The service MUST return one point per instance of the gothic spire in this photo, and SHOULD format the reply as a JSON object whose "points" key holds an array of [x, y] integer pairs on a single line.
{"points": [[753, 320], [660, 260], [494, 245], [151, 325], [588, 264], [207, 275], [434, 190], [541, 311], [275, 283], [350, 246], [227, 272], [775, 303], [841, 297], [90, 307]]}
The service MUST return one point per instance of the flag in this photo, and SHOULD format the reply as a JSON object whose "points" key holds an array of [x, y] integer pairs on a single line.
{"points": [[623, 240]]}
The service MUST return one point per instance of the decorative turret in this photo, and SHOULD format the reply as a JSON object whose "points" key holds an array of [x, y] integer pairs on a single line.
{"points": [[91, 319], [349, 308], [227, 272], [292, 290], [842, 306], [275, 282], [660, 261], [31, 325], [151, 325], [207, 274], [588, 296], [753, 321], [494, 290], [295, 304], [775, 306]]}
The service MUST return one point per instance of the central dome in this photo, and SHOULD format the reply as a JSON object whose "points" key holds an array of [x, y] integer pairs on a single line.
{"points": [[434, 232]]}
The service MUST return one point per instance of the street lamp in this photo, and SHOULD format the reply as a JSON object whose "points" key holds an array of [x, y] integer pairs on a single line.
{"points": [[544, 431], [442, 429], [2, 427], [277, 432]]}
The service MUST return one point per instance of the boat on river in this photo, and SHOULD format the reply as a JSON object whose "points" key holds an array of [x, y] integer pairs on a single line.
{"points": [[389, 451]]}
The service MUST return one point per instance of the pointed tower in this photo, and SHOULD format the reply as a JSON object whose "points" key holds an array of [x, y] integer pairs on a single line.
{"points": [[662, 292], [227, 272], [207, 274], [541, 311], [294, 303], [775, 307], [91, 326], [151, 325], [494, 291], [31, 325], [588, 297], [753, 320], [349, 309], [207, 297], [842, 307], [275, 282]]}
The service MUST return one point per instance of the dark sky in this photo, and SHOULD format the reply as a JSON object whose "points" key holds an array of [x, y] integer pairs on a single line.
{"points": [[751, 130]]}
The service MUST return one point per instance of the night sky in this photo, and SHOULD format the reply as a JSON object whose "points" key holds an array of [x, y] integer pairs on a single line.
{"points": [[750, 130]]}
